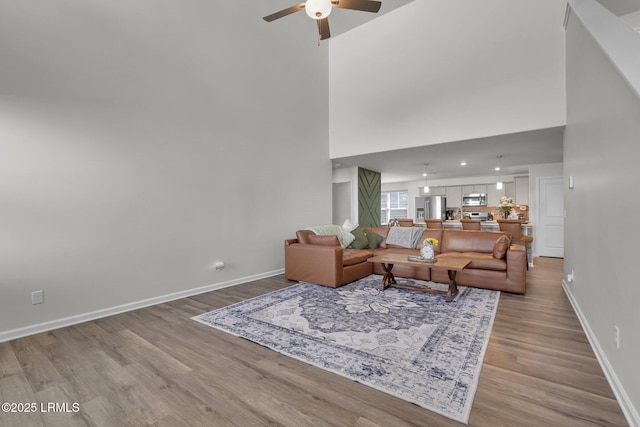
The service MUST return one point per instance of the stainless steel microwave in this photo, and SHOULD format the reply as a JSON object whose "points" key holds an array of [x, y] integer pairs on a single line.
{"points": [[474, 199]]}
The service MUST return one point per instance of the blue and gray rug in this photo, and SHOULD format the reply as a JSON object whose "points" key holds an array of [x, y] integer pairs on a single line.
{"points": [[409, 344]]}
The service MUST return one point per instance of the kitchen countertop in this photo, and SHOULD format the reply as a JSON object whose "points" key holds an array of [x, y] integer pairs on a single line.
{"points": [[527, 228]]}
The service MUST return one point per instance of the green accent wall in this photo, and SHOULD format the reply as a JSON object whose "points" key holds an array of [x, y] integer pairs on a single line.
{"points": [[369, 188]]}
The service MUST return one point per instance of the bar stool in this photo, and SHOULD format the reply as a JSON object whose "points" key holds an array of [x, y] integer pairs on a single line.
{"points": [[471, 224], [514, 226], [433, 224], [405, 222]]}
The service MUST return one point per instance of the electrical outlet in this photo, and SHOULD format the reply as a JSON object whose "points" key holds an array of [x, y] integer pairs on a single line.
{"points": [[617, 336], [570, 277], [37, 297]]}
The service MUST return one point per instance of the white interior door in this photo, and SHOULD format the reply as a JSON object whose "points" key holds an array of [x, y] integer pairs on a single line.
{"points": [[341, 202], [550, 231]]}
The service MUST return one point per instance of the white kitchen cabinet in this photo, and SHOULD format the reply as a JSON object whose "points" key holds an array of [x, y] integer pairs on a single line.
{"points": [[493, 195], [437, 191], [510, 190], [454, 196], [522, 190], [518, 190], [480, 188]]}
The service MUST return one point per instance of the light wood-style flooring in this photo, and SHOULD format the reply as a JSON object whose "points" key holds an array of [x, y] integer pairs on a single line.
{"points": [[155, 366]]}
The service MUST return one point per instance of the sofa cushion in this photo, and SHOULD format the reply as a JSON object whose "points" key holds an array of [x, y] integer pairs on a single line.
{"points": [[303, 236], [315, 239], [349, 226], [373, 238], [344, 236], [469, 241], [355, 256], [361, 241], [479, 261], [501, 246]]}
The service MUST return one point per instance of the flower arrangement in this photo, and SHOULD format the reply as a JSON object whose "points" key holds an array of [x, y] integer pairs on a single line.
{"points": [[427, 252], [430, 241], [507, 203]]}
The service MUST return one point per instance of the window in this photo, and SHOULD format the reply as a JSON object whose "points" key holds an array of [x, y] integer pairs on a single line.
{"points": [[394, 204]]}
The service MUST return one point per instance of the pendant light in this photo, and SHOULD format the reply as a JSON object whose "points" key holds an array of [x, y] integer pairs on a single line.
{"points": [[499, 168], [426, 183]]}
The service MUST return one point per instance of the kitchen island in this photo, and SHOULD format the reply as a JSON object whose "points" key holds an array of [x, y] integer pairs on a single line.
{"points": [[527, 228], [454, 224]]}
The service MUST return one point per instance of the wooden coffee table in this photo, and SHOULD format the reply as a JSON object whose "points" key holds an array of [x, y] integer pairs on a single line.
{"points": [[452, 265]]}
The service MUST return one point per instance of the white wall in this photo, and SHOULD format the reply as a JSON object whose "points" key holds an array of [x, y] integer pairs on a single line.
{"points": [[430, 72], [601, 151], [141, 141]]}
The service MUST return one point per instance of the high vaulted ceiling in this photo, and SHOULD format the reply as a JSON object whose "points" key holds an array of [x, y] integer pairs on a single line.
{"points": [[422, 92]]}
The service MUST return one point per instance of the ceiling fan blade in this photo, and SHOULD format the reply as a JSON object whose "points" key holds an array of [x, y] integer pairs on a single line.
{"points": [[323, 28], [363, 5], [284, 12]]}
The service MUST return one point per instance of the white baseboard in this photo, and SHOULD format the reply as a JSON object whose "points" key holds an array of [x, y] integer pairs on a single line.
{"points": [[85, 317], [629, 411]]}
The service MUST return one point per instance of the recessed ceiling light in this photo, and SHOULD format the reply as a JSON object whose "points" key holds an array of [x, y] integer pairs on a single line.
{"points": [[463, 163], [497, 168]]}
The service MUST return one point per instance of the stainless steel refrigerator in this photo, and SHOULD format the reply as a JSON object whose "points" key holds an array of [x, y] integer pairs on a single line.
{"points": [[431, 207]]}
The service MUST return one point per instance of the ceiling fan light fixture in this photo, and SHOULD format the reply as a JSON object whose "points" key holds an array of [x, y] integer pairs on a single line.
{"points": [[318, 9]]}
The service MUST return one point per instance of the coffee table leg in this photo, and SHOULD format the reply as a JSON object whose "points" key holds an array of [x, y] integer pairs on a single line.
{"points": [[453, 287], [388, 279]]}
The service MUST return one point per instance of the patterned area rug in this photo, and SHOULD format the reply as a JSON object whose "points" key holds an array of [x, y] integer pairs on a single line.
{"points": [[412, 345]]}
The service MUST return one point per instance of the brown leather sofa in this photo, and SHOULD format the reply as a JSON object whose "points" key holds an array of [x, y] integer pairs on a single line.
{"points": [[321, 260]]}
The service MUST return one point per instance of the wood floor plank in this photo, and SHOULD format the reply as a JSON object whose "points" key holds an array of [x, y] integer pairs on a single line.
{"points": [[546, 403], [156, 366], [9, 364], [35, 362], [17, 389], [57, 403], [563, 367], [104, 411]]}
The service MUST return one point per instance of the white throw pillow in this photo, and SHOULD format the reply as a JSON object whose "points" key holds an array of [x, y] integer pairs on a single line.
{"points": [[348, 225]]}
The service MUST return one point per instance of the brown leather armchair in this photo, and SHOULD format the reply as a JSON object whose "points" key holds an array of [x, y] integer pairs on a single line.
{"points": [[514, 226], [321, 260], [405, 222], [433, 224]]}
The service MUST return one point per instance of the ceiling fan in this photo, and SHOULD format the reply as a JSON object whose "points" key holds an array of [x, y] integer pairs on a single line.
{"points": [[320, 10]]}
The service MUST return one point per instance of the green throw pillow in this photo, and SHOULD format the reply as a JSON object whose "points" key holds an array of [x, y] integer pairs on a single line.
{"points": [[374, 239], [361, 240]]}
